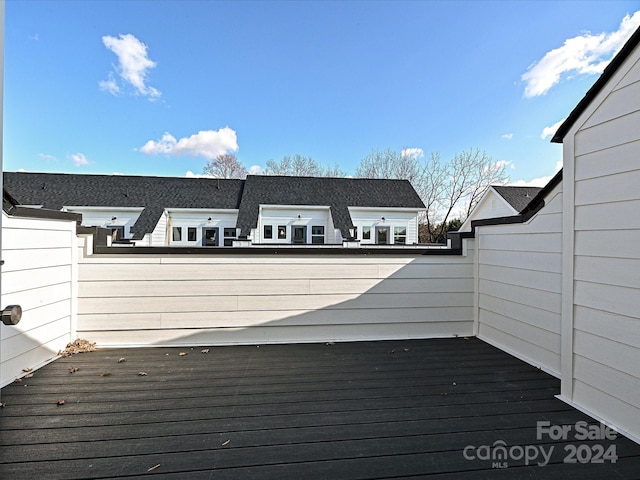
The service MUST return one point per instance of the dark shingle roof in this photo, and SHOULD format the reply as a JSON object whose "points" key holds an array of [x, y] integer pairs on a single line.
{"points": [[608, 72], [517, 197], [154, 194], [336, 193]]}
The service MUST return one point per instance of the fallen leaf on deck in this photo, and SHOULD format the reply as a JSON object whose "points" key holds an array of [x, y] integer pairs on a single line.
{"points": [[226, 443], [18, 380], [107, 374], [206, 350], [28, 375], [60, 402], [142, 374], [330, 343], [73, 369], [122, 360], [2, 405], [391, 351], [150, 469], [406, 350], [27, 370], [77, 346], [182, 354]]}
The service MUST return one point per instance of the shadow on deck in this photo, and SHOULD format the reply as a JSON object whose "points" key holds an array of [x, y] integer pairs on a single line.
{"points": [[392, 409]]}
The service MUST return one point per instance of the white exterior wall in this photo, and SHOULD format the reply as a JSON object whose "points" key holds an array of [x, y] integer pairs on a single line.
{"points": [[157, 238], [197, 300], [288, 218], [601, 310], [519, 285], [102, 217], [197, 219], [492, 205], [372, 218], [40, 275]]}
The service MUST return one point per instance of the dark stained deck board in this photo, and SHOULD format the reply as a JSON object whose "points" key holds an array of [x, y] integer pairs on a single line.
{"points": [[349, 410]]}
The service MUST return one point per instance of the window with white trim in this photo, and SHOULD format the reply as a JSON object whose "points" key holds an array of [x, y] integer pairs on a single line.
{"points": [[366, 233], [192, 234], [400, 235], [317, 234], [176, 234], [282, 232], [267, 232], [229, 236]]}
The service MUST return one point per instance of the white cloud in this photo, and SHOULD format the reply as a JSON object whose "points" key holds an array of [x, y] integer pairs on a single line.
{"points": [[79, 159], [507, 136], [190, 174], [537, 182], [255, 170], [550, 131], [110, 85], [47, 158], [206, 143], [585, 54], [412, 152], [504, 163], [133, 65]]}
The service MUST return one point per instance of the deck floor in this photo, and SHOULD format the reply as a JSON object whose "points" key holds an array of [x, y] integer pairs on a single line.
{"points": [[392, 409]]}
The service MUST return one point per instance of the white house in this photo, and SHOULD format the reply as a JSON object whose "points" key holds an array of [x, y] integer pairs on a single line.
{"points": [[500, 201], [319, 210], [187, 212], [600, 349]]}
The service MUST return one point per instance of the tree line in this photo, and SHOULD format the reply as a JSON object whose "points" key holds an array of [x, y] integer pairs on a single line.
{"points": [[450, 189]]}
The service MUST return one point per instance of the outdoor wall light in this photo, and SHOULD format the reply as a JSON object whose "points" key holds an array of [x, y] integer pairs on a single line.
{"points": [[12, 314], [382, 219], [113, 219], [209, 219], [299, 217]]}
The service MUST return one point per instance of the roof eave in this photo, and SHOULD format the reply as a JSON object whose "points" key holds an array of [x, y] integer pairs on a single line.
{"points": [[613, 66]]}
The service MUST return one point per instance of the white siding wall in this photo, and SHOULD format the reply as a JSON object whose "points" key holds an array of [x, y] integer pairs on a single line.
{"points": [[158, 237], [199, 219], [288, 218], [492, 205], [519, 285], [38, 274], [604, 305], [98, 217], [370, 218], [191, 300]]}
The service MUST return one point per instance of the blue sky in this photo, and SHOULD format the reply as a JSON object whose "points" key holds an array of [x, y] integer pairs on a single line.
{"points": [[157, 87]]}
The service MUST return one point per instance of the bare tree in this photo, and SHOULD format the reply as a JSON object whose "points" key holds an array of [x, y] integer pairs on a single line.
{"points": [[391, 164], [334, 171], [225, 165], [446, 188], [466, 178], [299, 166], [432, 192]]}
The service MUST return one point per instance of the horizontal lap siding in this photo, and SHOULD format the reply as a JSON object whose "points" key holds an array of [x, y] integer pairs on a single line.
{"points": [[38, 275], [606, 354], [175, 299], [519, 285]]}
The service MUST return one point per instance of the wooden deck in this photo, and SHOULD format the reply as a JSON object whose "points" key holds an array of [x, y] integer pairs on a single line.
{"points": [[393, 409]]}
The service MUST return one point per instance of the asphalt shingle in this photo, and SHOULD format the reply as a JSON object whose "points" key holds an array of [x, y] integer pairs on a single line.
{"points": [[518, 197], [154, 194]]}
